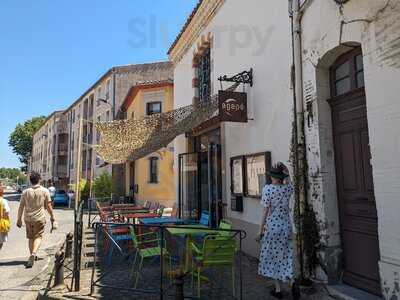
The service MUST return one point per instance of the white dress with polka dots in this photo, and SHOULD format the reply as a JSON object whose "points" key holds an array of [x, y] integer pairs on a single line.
{"points": [[276, 256]]}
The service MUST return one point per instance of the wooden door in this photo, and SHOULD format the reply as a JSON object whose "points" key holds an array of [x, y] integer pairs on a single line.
{"points": [[358, 215]]}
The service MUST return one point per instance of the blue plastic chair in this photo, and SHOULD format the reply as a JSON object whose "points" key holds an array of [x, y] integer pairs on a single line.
{"points": [[204, 218], [119, 233]]}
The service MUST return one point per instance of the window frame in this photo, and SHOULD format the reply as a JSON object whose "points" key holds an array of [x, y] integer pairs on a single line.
{"points": [[153, 179], [148, 104], [204, 75], [242, 160], [351, 58], [267, 166]]}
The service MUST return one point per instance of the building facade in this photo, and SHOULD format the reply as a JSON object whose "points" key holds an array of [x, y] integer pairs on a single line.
{"points": [[50, 151], [102, 103], [150, 178], [348, 68]]}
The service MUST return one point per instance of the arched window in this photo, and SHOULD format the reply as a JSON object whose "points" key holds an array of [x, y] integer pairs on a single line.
{"points": [[347, 73]]}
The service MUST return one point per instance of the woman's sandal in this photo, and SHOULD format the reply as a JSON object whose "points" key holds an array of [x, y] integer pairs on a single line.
{"points": [[277, 295]]}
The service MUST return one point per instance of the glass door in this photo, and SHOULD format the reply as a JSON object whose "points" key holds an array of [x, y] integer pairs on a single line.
{"points": [[188, 186], [214, 180], [200, 178]]}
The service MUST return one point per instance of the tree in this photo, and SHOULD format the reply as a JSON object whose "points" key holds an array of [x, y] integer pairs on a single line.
{"points": [[21, 138], [103, 186], [13, 174]]}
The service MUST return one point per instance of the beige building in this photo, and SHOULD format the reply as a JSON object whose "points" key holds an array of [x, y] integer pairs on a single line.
{"points": [[151, 178], [101, 103], [50, 151]]}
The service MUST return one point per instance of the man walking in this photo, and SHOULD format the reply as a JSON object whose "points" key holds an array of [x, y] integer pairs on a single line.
{"points": [[34, 201]]}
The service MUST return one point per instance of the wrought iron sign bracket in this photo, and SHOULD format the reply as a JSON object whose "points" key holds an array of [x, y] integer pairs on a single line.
{"points": [[242, 77]]}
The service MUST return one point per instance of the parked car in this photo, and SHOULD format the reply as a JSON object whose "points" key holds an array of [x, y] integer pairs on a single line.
{"points": [[60, 198]]}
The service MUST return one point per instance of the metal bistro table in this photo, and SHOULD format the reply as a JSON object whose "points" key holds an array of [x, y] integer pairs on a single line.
{"points": [[161, 221], [138, 215]]}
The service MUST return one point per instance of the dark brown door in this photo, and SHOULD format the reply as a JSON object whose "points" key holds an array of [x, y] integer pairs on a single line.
{"points": [[358, 216]]}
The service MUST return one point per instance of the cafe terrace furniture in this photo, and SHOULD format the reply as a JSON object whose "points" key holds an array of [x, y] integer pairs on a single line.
{"points": [[216, 251], [161, 221], [148, 246], [141, 215], [188, 232], [118, 234]]}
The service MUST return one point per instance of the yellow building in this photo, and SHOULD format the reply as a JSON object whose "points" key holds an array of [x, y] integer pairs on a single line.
{"points": [[151, 178]]}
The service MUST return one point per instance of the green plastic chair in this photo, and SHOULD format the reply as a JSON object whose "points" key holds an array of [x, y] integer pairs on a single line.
{"points": [[217, 251], [148, 246], [227, 225]]}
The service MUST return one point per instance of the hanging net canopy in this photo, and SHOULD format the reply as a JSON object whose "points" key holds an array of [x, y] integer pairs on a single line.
{"points": [[128, 140]]}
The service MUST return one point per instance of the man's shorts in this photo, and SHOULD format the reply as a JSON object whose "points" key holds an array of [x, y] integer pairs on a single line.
{"points": [[34, 230]]}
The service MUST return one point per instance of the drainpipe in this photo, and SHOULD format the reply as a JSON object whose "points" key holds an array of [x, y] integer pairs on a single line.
{"points": [[298, 130]]}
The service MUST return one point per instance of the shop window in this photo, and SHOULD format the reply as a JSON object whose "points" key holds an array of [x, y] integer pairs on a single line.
{"points": [[153, 170], [153, 108], [204, 75]]}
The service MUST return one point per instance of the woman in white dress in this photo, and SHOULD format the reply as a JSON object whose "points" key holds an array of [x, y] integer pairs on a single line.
{"points": [[276, 256], [4, 213]]}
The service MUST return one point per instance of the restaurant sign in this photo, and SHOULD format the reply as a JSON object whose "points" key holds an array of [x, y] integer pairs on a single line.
{"points": [[232, 106]]}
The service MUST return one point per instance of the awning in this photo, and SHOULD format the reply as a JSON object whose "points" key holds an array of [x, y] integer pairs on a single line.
{"points": [[128, 140]]}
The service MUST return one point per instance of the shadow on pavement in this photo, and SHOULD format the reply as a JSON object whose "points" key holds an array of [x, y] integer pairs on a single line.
{"points": [[12, 263]]}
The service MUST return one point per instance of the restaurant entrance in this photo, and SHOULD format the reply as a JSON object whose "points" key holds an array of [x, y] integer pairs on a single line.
{"points": [[200, 178]]}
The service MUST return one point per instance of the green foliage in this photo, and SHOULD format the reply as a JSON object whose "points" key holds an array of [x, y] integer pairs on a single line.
{"points": [[21, 138], [103, 186], [12, 174], [85, 189]]}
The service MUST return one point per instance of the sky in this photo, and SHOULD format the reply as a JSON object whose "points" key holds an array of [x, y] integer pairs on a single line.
{"points": [[52, 51]]}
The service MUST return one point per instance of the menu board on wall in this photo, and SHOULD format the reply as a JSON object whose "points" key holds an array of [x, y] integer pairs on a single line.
{"points": [[257, 167], [237, 175]]}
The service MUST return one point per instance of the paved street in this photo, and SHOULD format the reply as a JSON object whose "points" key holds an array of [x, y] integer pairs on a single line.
{"points": [[13, 275]]}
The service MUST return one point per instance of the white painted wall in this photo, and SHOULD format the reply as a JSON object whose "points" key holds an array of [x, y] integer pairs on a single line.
{"points": [[255, 34], [379, 39], [270, 102]]}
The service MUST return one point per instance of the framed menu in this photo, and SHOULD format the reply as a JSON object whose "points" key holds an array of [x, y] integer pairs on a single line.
{"points": [[237, 175], [257, 167]]}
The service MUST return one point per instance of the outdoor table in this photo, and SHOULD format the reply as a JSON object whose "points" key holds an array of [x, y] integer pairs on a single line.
{"points": [[137, 215], [129, 211], [189, 231], [161, 221], [128, 207]]}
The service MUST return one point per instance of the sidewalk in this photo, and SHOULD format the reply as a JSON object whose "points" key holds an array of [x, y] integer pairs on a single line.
{"points": [[17, 282]]}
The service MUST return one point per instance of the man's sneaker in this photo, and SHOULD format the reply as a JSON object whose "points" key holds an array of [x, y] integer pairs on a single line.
{"points": [[30, 262]]}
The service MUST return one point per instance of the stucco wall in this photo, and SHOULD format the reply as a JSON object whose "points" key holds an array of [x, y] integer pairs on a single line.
{"points": [[163, 191], [258, 39], [377, 30]]}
